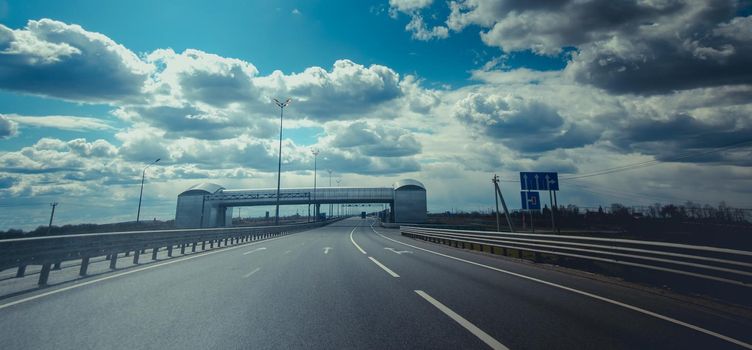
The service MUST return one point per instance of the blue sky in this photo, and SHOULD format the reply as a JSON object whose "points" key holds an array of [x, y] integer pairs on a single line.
{"points": [[90, 90]]}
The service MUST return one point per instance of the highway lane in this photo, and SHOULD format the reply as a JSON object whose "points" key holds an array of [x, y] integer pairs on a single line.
{"points": [[298, 297], [316, 289], [527, 314]]}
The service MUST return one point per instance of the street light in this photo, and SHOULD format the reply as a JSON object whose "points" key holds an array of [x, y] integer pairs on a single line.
{"points": [[143, 176], [282, 106], [331, 205], [339, 207], [315, 212]]}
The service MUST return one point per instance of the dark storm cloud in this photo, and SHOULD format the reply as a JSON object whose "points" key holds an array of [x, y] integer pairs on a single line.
{"points": [[625, 46], [687, 139], [522, 124], [665, 64]]}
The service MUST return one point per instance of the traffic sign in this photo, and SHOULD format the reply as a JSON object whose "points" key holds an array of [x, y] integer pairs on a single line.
{"points": [[539, 181], [530, 200]]}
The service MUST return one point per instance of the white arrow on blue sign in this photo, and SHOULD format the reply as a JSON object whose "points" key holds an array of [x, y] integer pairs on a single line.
{"points": [[539, 181]]}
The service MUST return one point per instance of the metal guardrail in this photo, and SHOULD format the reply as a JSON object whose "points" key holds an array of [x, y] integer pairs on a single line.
{"points": [[724, 265], [51, 251]]}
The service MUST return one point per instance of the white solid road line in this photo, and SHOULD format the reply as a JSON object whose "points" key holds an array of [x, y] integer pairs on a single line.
{"points": [[252, 272], [587, 294], [353, 241], [255, 250], [489, 340], [86, 283], [383, 267]]}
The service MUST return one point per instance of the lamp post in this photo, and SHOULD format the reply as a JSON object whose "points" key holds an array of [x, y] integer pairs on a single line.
{"points": [[141, 195], [339, 207], [281, 106], [331, 206], [315, 212]]}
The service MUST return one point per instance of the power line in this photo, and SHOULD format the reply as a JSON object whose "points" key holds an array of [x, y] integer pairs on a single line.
{"points": [[645, 164]]}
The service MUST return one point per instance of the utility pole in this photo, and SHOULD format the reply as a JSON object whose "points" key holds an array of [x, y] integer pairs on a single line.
{"points": [[281, 106], [503, 204], [496, 199], [52, 214]]}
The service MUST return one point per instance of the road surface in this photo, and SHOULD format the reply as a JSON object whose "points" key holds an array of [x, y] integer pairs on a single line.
{"points": [[348, 286]]}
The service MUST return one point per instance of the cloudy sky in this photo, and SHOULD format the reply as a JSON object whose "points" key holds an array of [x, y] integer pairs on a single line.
{"points": [[631, 101]]}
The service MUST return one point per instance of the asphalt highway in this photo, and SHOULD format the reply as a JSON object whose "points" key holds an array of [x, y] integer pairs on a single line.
{"points": [[352, 286]]}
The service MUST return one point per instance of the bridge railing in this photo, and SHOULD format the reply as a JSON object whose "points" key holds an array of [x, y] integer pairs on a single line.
{"points": [[729, 266], [51, 251]]}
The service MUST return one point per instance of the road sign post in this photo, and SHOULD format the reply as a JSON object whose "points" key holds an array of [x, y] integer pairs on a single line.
{"points": [[530, 201], [540, 181]]}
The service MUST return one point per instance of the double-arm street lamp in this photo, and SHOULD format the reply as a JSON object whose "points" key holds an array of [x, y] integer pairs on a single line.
{"points": [[143, 176], [281, 106]]}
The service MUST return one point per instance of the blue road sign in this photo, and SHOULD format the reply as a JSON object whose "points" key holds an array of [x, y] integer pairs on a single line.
{"points": [[530, 200], [538, 181]]}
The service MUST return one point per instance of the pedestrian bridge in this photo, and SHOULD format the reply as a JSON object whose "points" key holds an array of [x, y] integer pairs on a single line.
{"points": [[206, 204]]}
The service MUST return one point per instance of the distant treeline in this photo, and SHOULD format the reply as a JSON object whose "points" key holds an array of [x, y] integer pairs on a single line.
{"points": [[690, 223], [89, 228], [132, 226]]}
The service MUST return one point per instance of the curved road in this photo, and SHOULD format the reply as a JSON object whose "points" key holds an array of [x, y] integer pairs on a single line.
{"points": [[348, 286]]}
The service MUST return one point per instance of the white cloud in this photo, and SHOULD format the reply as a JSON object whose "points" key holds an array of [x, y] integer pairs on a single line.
{"points": [[210, 117], [46, 53], [374, 140], [63, 122], [409, 5], [421, 32], [8, 127]]}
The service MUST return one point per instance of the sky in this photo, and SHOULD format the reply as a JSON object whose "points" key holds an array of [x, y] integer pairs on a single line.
{"points": [[632, 101]]}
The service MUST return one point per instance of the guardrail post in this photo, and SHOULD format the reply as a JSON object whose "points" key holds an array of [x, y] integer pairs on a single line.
{"points": [[113, 260], [154, 253], [193, 249], [182, 248], [203, 245], [211, 244], [57, 265], [136, 253], [21, 271], [169, 250], [84, 266], [44, 275]]}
